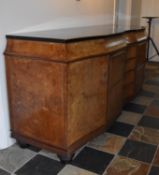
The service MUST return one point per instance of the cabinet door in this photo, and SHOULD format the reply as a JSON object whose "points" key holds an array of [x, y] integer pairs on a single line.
{"points": [[87, 97], [115, 91]]}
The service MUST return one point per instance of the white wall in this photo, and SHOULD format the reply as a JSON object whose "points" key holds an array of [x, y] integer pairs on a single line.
{"points": [[128, 12], [151, 8], [135, 12], [28, 15], [124, 12]]}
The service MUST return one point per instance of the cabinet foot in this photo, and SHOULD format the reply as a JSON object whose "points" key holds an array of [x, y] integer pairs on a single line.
{"points": [[65, 159], [22, 144]]}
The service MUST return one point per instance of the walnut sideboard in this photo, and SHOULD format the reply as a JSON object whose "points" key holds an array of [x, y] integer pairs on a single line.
{"points": [[67, 86]]}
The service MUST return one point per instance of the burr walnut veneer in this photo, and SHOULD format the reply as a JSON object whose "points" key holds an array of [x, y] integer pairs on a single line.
{"points": [[65, 91]]}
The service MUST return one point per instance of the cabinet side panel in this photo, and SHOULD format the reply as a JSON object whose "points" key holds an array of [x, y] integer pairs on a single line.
{"points": [[36, 96], [87, 97]]}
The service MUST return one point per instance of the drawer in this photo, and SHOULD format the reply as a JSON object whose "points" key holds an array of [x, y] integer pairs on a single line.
{"points": [[130, 64], [129, 77], [117, 66], [132, 52], [92, 48], [129, 92], [141, 58]]}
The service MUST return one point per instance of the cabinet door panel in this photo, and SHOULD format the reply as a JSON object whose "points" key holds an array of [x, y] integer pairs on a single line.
{"points": [[87, 97], [36, 92]]}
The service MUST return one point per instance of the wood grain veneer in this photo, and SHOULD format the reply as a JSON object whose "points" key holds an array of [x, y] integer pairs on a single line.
{"points": [[63, 94]]}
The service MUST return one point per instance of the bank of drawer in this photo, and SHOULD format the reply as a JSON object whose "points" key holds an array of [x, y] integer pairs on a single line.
{"points": [[129, 77], [130, 64], [117, 67], [132, 52]]}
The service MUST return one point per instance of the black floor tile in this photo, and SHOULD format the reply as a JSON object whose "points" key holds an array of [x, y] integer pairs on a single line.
{"points": [[155, 102], [154, 171], [152, 82], [147, 94], [150, 122], [40, 165], [92, 160], [135, 108], [138, 150], [121, 129], [2, 172]]}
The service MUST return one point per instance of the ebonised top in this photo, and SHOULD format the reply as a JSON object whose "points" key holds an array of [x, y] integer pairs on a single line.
{"points": [[74, 34], [150, 17]]}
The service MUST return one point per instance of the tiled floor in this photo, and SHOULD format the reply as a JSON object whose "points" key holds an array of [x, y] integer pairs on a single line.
{"points": [[129, 147]]}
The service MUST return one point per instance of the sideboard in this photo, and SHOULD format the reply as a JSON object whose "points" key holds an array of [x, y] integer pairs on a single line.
{"points": [[67, 86]]}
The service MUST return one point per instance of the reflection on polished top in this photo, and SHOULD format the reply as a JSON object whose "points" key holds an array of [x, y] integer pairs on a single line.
{"points": [[75, 34]]}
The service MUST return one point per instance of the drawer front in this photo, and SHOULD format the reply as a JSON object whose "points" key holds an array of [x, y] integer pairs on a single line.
{"points": [[129, 77], [141, 58], [130, 64], [129, 92], [132, 52], [91, 48], [117, 66]]}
